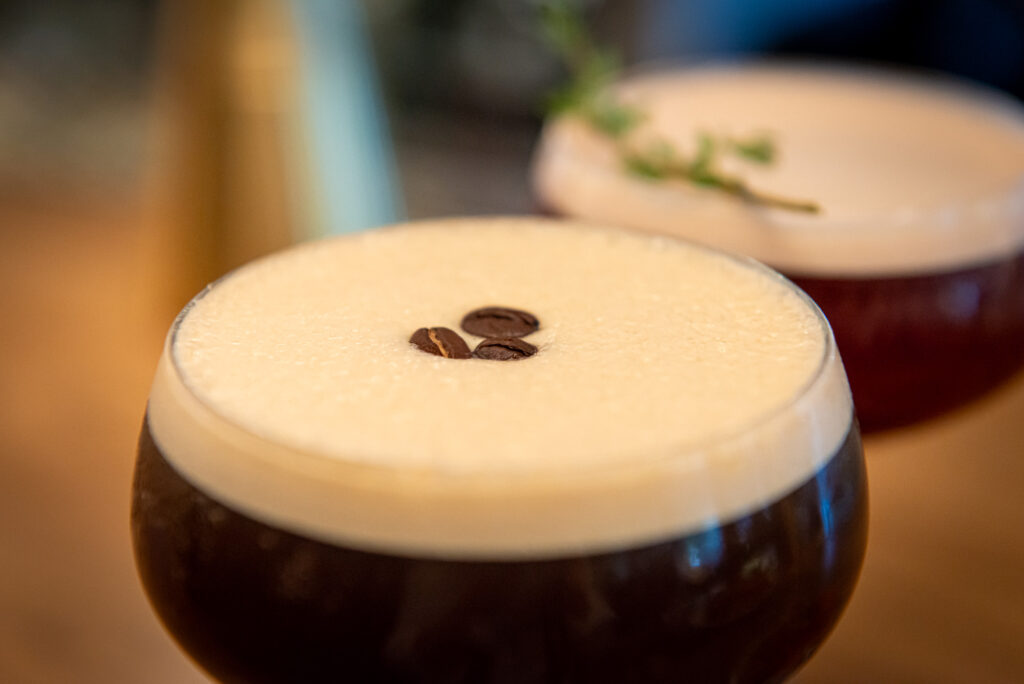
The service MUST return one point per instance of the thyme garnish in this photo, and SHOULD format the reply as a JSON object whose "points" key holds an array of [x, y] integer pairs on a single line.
{"points": [[588, 94]]}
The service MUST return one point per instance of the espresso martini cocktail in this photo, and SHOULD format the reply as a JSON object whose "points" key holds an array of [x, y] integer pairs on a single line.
{"points": [[495, 450], [917, 253]]}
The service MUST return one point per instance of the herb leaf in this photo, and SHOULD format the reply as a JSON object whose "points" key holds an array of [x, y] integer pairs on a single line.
{"points": [[700, 167], [656, 164], [759, 149], [612, 119]]}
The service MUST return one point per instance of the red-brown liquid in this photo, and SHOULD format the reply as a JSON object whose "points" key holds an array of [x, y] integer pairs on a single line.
{"points": [[916, 346], [748, 601]]}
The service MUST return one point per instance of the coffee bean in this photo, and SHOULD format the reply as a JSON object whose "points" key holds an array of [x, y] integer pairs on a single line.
{"points": [[441, 342], [498, 321], [504, 349]]}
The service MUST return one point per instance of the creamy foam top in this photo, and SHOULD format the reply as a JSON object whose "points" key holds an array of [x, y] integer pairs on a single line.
{"points": [[674, 387], [913, 175]]}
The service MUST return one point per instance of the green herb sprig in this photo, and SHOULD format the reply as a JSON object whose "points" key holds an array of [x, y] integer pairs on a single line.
{"points": [[588, 94], [592, 69]]}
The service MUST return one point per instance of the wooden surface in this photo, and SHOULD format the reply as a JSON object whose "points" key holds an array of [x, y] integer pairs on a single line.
{"points": [[79, 340], [941, 597]]}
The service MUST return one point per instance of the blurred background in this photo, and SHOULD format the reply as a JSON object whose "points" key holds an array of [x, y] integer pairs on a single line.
{"points": [[147, 147]]}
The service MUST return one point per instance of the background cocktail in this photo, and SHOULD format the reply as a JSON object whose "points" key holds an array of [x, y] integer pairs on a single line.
{"points": [[917, 254]]}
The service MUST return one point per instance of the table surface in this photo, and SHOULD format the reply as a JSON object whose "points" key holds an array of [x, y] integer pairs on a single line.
{"points": [[941, 597]]}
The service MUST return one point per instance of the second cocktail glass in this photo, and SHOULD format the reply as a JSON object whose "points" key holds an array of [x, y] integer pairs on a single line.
{"points": [[917, 255]]}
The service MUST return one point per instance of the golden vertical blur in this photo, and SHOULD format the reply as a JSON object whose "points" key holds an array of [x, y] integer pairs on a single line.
{"points": [[170, 187], [225, 93], [93, 267]]}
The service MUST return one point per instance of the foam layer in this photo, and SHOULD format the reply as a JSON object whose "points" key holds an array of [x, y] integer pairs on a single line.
{"points": [[673, 387], [913, 175]]}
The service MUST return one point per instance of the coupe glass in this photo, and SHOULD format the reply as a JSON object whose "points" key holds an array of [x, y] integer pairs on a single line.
{"points": [[728, 559]]}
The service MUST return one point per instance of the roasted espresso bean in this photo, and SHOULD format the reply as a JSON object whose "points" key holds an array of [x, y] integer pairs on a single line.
{"points": [[504, 349], [498, 321], [442, 342]]}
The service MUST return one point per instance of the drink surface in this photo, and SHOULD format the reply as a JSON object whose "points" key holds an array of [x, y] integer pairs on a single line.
{"points": [[913, 175], [673, 388]]}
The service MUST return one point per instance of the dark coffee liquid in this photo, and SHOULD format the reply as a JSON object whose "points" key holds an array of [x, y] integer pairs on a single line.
{"points": [[745, 602], [916, 346]]}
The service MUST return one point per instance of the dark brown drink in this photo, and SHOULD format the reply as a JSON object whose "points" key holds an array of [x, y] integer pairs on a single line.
{"points": [[748, 601], [917, 254], [662, 482]]}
